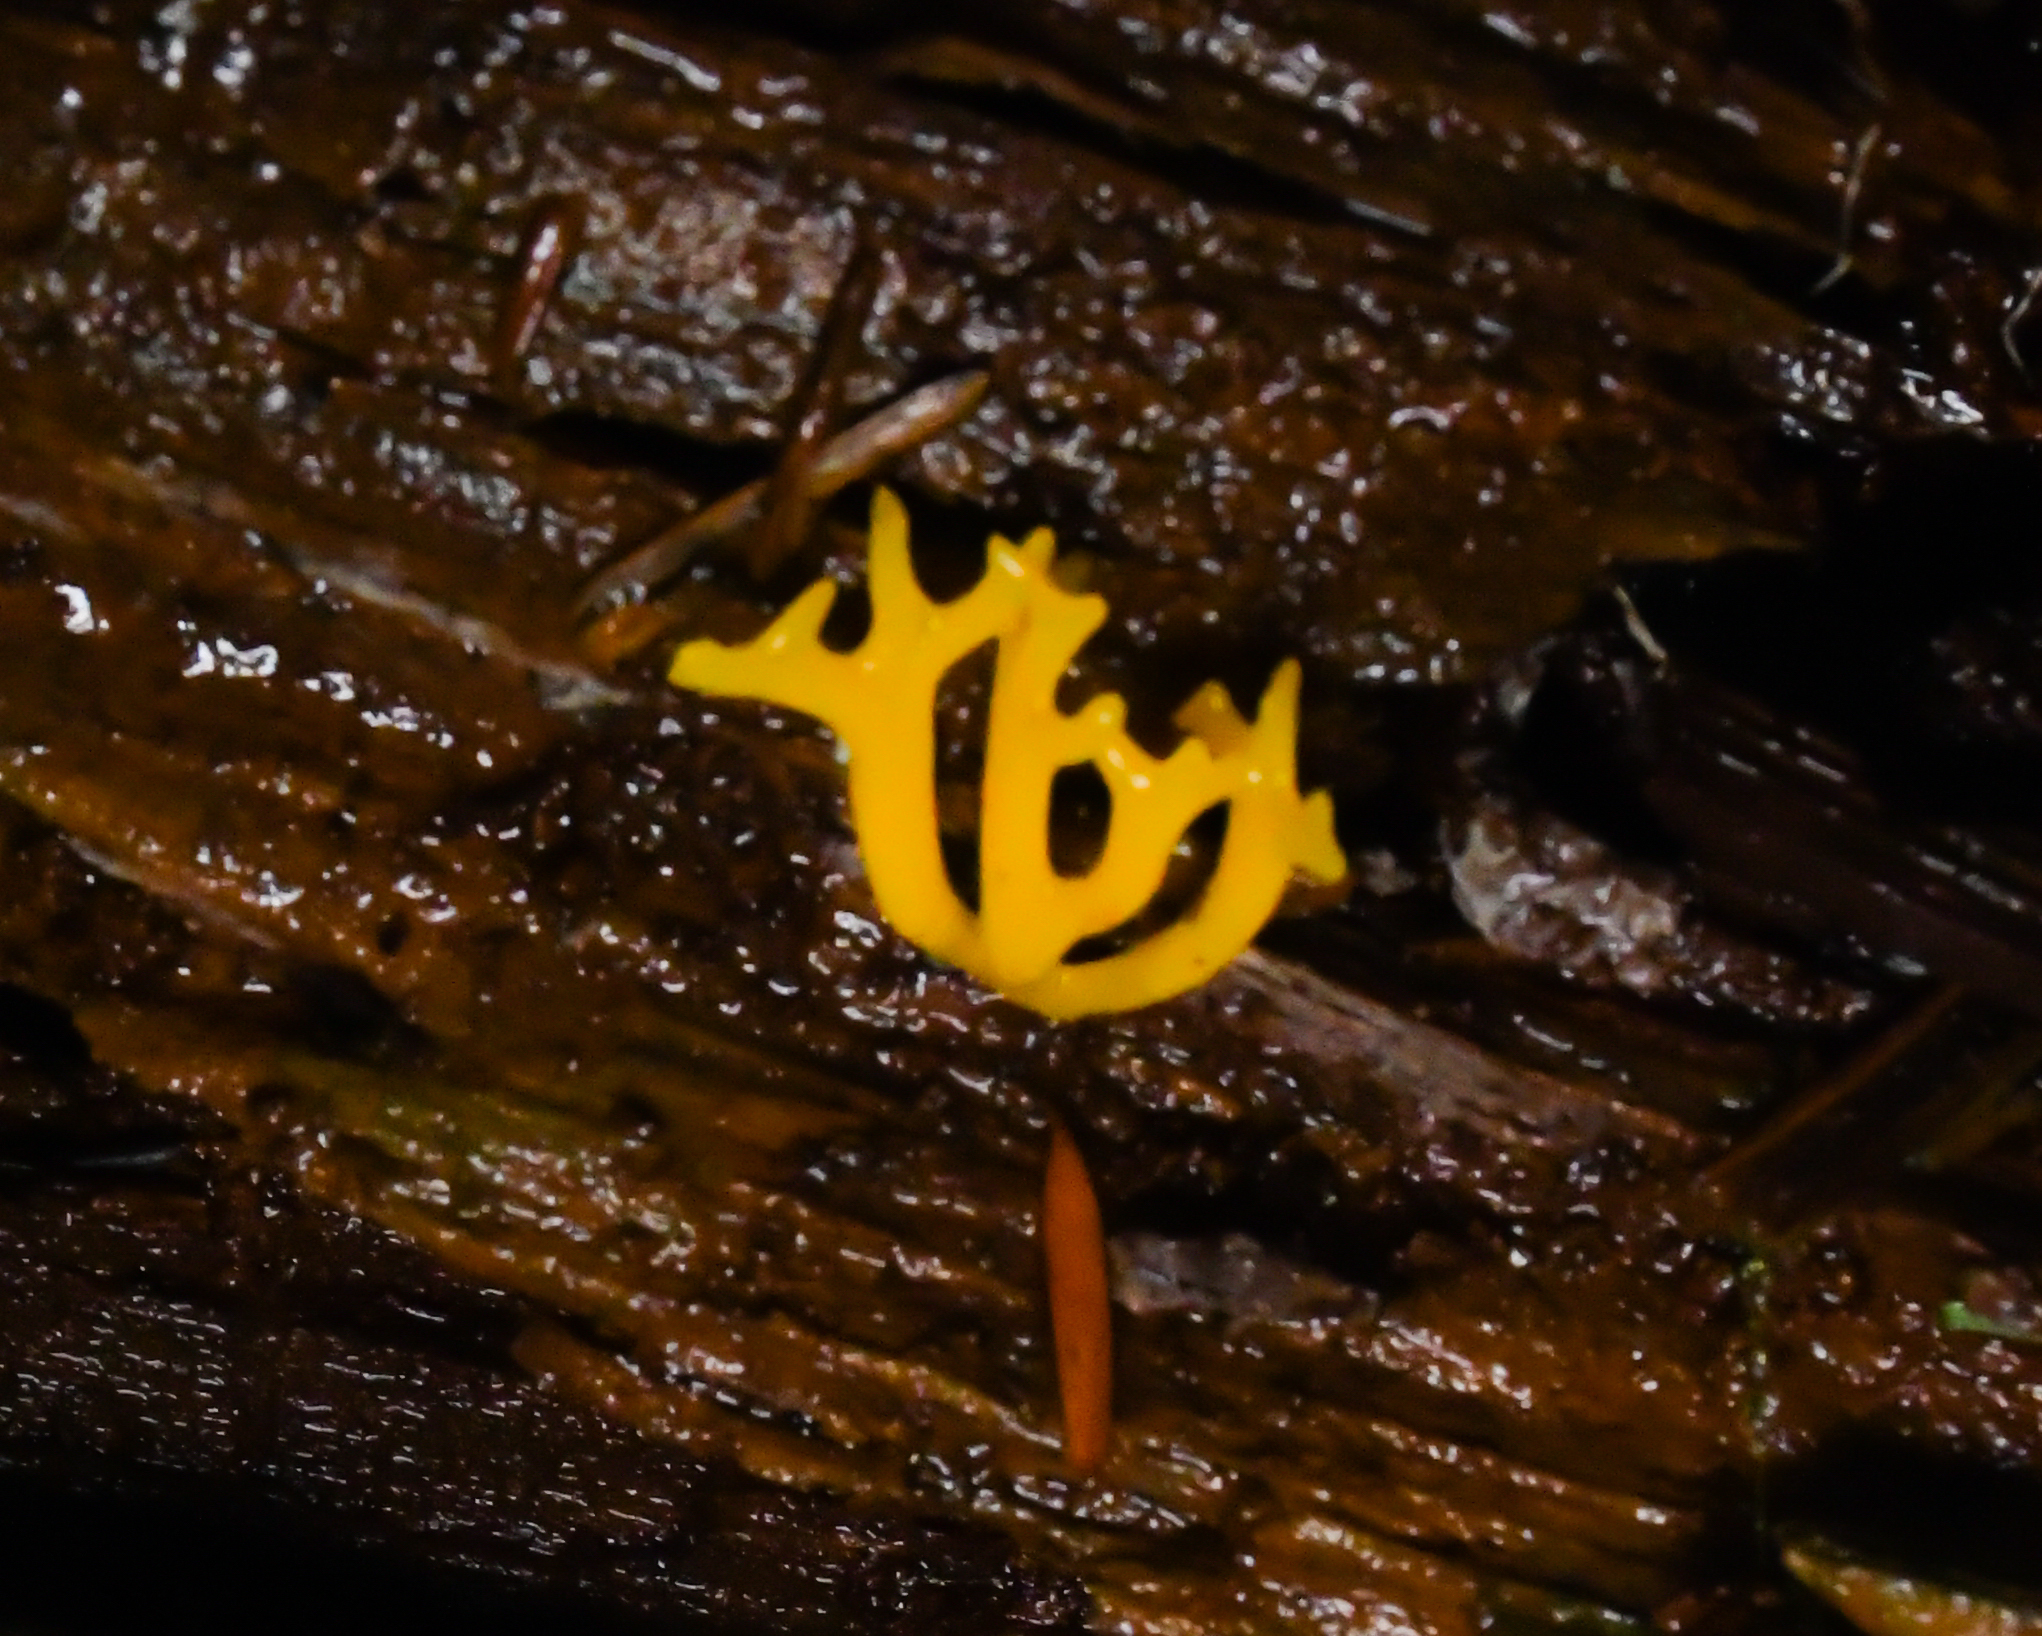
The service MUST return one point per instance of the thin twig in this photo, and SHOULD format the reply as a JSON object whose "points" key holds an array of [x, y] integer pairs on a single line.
{"points": [[1853, 190], [787, 509], [1641, 633], [1809, 1116], [853, 454], [2017, 315]]}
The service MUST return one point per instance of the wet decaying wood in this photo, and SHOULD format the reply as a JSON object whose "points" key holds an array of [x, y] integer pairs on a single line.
{"points": [[459, 1101]]}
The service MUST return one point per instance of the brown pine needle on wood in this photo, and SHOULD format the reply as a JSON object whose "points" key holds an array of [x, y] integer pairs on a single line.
{"points": [[1074, 1251], [853, 454]]}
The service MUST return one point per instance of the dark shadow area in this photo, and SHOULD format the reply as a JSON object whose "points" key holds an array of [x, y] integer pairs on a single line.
{"points": [[39, 1034], [1912, 634], [338, 1012], [1985, 56], [617, 443], [1898, 1501], [174, 1563]]}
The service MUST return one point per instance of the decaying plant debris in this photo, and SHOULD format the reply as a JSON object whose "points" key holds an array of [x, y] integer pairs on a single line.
{"points": [[459, 1097]]}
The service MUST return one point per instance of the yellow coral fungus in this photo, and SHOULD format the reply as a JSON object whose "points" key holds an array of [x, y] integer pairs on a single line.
{"points": [[1029, 916]]}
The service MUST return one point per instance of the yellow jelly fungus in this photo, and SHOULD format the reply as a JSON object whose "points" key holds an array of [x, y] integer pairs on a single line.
{"points": [[1029, 916]]}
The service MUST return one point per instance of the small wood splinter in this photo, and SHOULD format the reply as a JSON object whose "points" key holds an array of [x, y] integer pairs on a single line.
{"points": [[1080, 1314], [550, 243]]}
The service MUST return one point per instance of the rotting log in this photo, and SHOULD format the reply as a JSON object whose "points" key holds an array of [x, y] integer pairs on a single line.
{"points": [[454, 1084]]}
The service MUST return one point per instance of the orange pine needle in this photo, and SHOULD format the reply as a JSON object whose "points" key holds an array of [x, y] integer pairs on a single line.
{"points": [[1074, 1249]]}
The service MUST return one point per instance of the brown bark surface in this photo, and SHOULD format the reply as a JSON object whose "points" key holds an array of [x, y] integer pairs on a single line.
{"points": [[460, 1097]]}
